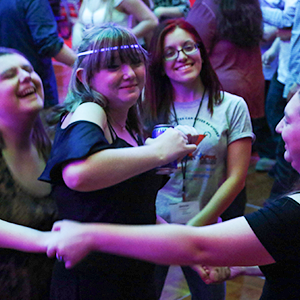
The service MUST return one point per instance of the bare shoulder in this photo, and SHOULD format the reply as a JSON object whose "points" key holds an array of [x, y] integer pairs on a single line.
{"points": [[295, 197], [91, 112]]}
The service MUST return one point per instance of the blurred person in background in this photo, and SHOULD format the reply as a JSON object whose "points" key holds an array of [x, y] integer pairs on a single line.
{"points": [[30, 27]]}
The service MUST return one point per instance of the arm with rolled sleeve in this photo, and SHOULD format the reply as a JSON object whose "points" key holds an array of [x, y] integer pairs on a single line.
{"points": [[43, 28], [280, 18]]}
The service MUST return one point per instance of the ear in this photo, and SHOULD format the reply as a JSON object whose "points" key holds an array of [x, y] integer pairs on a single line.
{"points": [[79, 74]]}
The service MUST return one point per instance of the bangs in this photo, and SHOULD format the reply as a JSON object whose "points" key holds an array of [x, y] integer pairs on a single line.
{"points": [[108, 46], [126, 54]]}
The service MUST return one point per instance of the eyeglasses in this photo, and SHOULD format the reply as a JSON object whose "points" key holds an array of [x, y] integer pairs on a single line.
{"points": [[188, 49]]}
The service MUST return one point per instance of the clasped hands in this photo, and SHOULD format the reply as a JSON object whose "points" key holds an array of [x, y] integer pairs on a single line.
{"points": [[70, 242]]}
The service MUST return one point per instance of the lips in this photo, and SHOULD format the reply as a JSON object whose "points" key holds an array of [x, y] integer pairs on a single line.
{"points": [[128, 86], [184, 67], [26, 92]]}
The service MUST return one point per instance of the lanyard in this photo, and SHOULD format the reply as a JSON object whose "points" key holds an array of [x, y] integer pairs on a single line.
{"points": [[184, 160]]}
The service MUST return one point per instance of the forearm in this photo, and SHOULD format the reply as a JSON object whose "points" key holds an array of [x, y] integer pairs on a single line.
{"points": [[146, 19], [238, 159], [66, 56], [170, 12], [218, 203], [242, 271], [22, 238], [144, 27]]}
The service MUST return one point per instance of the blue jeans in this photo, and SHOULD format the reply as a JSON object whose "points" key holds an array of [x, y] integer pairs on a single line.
{"points": [[199, 290], [275, 105]]}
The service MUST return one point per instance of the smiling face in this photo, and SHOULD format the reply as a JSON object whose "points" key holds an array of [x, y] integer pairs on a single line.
{"points": [[21, 88], [186, 68], [289, 128], [120, 83]]}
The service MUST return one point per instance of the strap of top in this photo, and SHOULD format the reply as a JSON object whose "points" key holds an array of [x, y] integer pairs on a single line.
{"points": [[114, 134]]}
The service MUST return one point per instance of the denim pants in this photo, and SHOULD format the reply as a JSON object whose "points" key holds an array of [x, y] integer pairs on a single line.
{"points": [[199, 290], [275, 105]]}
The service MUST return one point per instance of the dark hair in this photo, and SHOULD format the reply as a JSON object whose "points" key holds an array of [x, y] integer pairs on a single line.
{"points": [[96, 52], [39, 136], [159, 94], [240, 22]]}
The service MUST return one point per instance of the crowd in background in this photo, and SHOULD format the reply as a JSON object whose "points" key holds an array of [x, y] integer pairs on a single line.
{"points": [[194, 65]]}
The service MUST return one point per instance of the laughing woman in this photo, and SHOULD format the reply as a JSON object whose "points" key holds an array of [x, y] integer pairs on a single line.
{"points": [[24, 200]]}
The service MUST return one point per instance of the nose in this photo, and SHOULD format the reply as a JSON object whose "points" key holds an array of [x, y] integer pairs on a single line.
{"points": [[279, 126], [181, 55], [24, 75], [128, 71]]}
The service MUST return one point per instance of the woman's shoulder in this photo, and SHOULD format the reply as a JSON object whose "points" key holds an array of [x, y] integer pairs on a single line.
{"points": [[89, 111], [232, 99], [295, 196]]}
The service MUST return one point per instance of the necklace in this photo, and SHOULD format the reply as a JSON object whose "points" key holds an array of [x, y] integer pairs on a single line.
{"points": [[123, 127], [184, 160], [196, 116]]}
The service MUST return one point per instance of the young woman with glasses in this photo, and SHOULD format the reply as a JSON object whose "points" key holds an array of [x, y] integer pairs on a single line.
{"points": [[183, 89]]}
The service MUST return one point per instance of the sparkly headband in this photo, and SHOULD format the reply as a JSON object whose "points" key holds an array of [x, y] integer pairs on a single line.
{"points": [[136, 46]]}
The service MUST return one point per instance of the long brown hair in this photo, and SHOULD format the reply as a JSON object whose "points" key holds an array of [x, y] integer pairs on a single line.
{"points": [[159, 94], [40, 138]]}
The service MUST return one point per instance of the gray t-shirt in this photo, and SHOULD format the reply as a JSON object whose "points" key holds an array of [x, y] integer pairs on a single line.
{"points": [[206, 171]]}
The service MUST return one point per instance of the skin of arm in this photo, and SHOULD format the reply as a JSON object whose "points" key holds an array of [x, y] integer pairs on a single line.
{"points": [[66, 56], [169, 11], [92, 172], [293, 90], [229, 243], [238, 159], [146, 18], [212, 275], [272, 52], [23, 238]]}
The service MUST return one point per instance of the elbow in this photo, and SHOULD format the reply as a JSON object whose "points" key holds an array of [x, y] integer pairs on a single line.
{"points": [[154, 23], [74, 177]]}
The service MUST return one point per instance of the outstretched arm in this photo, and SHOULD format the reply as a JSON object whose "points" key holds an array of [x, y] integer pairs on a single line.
{"points": [[23, 238], [229, 243]]}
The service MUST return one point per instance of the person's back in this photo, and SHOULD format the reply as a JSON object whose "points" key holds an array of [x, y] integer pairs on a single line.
{"points": [[238, 67]]}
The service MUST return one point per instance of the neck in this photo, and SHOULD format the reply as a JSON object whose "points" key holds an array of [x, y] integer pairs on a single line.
{"points": [[188, 92], [118, 119], [17, 136]]}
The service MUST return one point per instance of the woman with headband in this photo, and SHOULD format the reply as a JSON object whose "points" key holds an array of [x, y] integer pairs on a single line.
{"points": [[100, 169]]}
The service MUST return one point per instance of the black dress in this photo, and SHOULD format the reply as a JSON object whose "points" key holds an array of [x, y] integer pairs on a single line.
{"points": [[24, 276], [101, 276], [277, 226]]}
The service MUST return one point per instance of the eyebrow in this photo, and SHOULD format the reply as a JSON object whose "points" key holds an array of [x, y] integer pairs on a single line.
{"points": [[2, 74]]}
